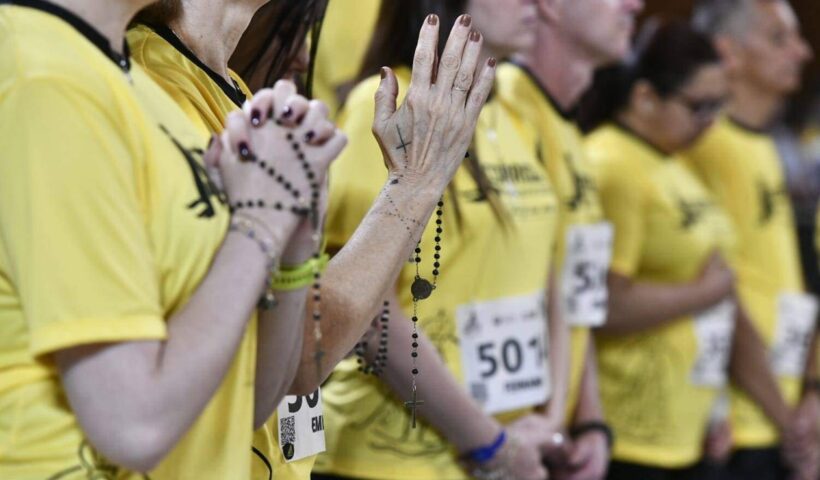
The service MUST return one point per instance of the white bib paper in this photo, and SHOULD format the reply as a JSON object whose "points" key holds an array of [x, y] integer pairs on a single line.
{"points": [[504, 352], [714, 329], [301, 426], [796, 316], [583, 285]]}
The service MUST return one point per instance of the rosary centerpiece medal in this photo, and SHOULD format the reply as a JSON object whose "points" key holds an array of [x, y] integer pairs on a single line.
{"points": [[421, 288]]}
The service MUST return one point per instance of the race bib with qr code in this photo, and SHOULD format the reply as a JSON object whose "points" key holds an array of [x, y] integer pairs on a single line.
{"points": [[584, 292], [714, 329], [504, 352], [301, 426], [796, 317]]}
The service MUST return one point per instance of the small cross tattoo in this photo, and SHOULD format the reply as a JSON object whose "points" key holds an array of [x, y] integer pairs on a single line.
{"points": [[404, 144], [412, 405]]}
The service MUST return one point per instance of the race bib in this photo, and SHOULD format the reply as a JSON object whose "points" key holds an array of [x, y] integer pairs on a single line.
{"points": [[301, 426], [714, 329], [504, 352], [583, 286], [796, 316]]}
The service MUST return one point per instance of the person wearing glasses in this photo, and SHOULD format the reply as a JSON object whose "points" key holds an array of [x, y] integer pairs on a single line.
{"points": [[666, 350]]}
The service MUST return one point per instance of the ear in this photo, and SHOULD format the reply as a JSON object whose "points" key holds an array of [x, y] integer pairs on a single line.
{"points": [[730, 52], [643, 98], [549, 10]]}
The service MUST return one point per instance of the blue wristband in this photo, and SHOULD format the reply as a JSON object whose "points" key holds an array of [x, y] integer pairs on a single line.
{"points": [[485, 454]]}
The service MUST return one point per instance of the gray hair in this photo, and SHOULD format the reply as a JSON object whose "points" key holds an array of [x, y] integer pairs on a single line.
{"points": [[724, 17]]}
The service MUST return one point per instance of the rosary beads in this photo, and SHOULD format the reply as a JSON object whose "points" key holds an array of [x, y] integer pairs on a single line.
{"points": [[303, 209]]}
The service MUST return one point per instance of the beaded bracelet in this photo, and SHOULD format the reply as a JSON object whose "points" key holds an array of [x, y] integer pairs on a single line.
{"points": [[295, 278], [250, 227]]}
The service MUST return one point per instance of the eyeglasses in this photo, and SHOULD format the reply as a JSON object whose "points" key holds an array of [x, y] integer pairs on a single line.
{"points": [[702, 109]]}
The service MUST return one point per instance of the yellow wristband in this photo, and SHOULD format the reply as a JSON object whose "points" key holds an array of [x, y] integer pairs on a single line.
{"points": [[300, 276]]}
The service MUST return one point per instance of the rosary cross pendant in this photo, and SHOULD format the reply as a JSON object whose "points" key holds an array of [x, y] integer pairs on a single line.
{"points": [[413, 404]]}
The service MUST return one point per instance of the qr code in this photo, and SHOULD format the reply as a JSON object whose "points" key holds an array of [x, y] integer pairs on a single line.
{"points": [[287, 430], [479, 391]]}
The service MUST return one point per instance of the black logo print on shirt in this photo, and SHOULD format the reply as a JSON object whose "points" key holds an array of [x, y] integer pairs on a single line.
{"points": [[582, 184], [692, 211], [206, 188], [769, 198]]}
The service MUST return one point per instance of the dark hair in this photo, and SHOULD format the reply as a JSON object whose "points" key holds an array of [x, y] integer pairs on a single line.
{"points": [[275, 36], [396, 33], [667, 54], [160, 13], [394, 44]]}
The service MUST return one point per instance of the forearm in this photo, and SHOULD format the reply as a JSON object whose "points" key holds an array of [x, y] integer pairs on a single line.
{"points": [[750, 371], [154, 391], [559, 354], [279, 345], [589, 400], [638, 306], [448, 407], [362, 274]]}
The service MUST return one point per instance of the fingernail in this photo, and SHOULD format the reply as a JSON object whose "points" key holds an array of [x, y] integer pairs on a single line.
{"points": [[245, 152], [475, 36], [310, 136], [466, 20], [211, 141], [287, 112], [384, 72], [491, 62], [256, 117], [432, 19]]}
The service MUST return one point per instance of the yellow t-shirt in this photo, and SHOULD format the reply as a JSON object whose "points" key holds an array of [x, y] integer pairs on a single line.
{"points": [[742, 169], [346, 32], [108, 223], [572, 175], [208, 98], [368, 428], [666, 226]]}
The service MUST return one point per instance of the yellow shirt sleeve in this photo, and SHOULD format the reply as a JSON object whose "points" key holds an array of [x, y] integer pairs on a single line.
{"points": [[624, 207], [72, 228]]}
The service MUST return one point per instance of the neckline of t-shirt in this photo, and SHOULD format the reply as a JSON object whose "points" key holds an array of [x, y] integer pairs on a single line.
{"points": [[642, 141], [746, 127], [233, 92], [123, 61], [570, 114]]}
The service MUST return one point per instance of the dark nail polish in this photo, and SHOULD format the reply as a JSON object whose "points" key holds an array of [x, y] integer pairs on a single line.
{"points": [[245, 152], [211, 141], [491, 62], [383, 72], [432, 19], [287, 112], [466, 20], [475, 36], [256, 117], [310, 136]]}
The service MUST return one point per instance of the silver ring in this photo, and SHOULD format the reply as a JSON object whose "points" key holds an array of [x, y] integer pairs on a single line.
{"points": [[557, 439], [465, 90]]}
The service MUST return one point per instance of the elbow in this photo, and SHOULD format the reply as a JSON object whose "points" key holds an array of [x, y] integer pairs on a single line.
{"points": [[138, 448], [304, 386], [616, 321]]}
